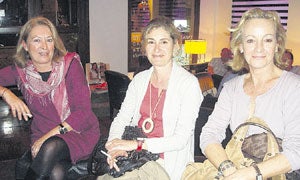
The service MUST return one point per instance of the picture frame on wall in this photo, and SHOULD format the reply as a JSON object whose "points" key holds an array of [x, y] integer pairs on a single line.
{"points": [[95, 72]]}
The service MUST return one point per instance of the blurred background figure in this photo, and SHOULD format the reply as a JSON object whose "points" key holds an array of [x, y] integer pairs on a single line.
{"points": [[217, 66], [288, 58]]}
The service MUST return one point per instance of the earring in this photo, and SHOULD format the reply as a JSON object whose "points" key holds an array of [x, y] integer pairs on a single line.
{"points": [[241, 51]]}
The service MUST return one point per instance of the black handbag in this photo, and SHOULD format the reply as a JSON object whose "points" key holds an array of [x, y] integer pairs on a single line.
{"points": [[98, 164]]}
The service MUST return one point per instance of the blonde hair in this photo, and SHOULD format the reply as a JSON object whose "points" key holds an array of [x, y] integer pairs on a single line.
{"points": [[239, 61], [22, 56]]}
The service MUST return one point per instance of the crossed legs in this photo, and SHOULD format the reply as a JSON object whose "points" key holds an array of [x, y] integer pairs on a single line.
{"points": [[52, 161]]}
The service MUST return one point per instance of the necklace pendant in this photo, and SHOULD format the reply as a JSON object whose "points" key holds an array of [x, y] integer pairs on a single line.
{"points": [[151, 125]]}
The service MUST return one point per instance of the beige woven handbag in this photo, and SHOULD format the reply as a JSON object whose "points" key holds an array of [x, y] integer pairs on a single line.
{"points": [[205, 170]]}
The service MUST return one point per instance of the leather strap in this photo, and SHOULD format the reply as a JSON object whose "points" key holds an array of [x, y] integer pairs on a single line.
{"points": [[258, 173]]}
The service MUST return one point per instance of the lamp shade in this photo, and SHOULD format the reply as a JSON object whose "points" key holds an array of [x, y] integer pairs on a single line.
{"points": [[195, 46]]}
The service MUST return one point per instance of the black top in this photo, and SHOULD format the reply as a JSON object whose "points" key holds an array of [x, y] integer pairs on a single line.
{"points": [[45, 75]]}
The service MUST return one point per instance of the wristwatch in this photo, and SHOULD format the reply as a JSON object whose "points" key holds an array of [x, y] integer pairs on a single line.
{"points": [[62, 129]]}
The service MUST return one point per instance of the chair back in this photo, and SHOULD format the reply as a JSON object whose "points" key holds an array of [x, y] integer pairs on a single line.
{"points": [[206, 83], [206, 108], [144, 64], [117, 84], [204, 113]]}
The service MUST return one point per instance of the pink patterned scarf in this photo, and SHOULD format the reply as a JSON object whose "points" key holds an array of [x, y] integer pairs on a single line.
{"points": [[54, 88]]}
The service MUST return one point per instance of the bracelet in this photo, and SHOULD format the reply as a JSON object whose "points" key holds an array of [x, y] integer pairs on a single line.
{"points": [[258, 173], [140, 142], [225, 165]]}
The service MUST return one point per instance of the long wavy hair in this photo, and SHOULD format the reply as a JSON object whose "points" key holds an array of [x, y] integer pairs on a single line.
{"points": [[239, 61], [22, 56]]}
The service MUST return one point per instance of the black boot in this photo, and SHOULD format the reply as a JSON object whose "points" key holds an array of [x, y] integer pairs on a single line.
{"points": [[31, 175], [22, 165]]}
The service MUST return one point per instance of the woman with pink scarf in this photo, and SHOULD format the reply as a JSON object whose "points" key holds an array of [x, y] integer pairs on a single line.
{"points": [[64, 128]]}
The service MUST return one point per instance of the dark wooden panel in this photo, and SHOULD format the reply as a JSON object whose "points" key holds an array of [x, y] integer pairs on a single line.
{"points": [[67, 15]]}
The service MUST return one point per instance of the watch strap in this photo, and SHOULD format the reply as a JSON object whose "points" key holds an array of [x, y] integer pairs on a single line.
{"points": [[258, 173]]}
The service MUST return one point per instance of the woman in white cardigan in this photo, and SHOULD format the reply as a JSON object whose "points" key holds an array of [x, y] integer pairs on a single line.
{"points": [[175, 98]]}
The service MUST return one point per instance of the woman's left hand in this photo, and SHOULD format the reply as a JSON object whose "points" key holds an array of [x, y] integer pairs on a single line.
{"points": [[242, 174], [35, 148], [113, 156], [118, 144]]}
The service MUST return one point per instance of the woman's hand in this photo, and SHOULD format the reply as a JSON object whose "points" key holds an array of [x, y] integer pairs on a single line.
{"points": [[113, 156], [38, 143], [118, 147], [229, 171], [35, 148], [17, 106], [118, 144], [242, 174]]}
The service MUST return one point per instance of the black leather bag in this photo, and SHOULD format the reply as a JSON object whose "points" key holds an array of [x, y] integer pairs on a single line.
{"points": [[98, 164], [78, 170]]}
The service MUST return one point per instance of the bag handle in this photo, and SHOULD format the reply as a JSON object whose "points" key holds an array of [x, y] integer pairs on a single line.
{"points": [[241, 130], [259, 125]]}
